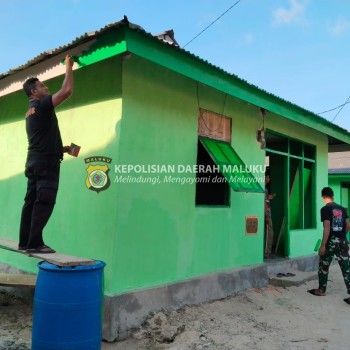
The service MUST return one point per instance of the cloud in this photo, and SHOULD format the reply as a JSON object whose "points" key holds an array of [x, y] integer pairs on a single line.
{"points": [[339, 27], [287, 16]]}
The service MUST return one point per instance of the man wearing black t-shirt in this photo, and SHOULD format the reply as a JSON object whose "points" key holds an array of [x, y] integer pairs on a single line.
{"points": [[45, 152], [335, 227]]}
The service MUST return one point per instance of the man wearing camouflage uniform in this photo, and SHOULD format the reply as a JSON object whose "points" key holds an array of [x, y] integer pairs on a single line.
{"points": [[335, 226]]}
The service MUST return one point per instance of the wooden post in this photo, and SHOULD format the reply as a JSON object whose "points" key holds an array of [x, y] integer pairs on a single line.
{"points": [[282, 226]]}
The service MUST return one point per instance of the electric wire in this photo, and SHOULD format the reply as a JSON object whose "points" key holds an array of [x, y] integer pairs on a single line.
{"points": [[341, 108], [335, 108], [232, 6], [207, 27]]}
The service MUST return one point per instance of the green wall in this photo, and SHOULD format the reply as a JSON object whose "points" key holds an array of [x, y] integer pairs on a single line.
{"points": [[335, 181], [162, 236], [83, 222], [13, 146], [341, 194]]}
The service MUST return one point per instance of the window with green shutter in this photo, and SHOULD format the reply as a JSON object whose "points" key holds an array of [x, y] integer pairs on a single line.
{"points": [[231, 166], [213, 188]]}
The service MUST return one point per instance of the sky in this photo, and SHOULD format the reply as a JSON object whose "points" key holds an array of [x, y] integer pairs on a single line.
{"points": [[298, 50]]}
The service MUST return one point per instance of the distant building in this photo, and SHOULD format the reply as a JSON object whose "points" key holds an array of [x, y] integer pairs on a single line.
{"points": [[339, 176]]}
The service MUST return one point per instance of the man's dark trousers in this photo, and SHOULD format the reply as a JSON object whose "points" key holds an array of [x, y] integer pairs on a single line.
{"points": [[40, 199]]}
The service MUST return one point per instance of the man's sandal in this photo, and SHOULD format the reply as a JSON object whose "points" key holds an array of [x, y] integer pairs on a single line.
{"points": [[316, 292], [44, 249]]}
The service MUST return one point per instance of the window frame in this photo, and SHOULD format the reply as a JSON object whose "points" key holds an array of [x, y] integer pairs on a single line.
{"points": [[311, 150]]}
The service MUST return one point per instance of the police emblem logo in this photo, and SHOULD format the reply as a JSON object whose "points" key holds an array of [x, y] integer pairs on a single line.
{"points": [[97, 174]]}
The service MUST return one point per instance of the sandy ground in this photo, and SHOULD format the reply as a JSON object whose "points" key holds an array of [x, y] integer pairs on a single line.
{"points": [[269, 318]]}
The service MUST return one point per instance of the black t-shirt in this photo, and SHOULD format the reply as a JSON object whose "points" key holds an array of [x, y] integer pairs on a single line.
{"points": [[336, 214], [44, 138]]}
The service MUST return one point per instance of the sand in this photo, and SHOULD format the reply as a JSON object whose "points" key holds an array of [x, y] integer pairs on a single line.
{"points": [[269, 318]]}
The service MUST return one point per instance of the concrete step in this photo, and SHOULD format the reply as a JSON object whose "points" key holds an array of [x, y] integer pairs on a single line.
{"points": [[17, 280], [288, 281]]}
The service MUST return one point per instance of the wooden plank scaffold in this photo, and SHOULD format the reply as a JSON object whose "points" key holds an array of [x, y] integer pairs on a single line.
{"points": [[53, 258]]}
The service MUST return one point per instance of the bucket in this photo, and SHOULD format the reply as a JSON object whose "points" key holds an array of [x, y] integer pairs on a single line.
{"points": [[68, 303]]}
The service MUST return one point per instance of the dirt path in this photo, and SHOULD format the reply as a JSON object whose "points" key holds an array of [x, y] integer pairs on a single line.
{"points": [[15, 322], [269, 318]]}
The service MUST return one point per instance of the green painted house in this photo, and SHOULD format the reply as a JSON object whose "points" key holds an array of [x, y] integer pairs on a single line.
{"points": [[168, 188]]}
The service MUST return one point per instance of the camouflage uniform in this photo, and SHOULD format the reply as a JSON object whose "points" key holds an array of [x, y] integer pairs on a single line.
{"points": [[268, 225], [336, 245], [340, 249]]}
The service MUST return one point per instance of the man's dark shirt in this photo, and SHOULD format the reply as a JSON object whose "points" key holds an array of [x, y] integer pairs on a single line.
{"points": [[336, 214], [44, 138]]}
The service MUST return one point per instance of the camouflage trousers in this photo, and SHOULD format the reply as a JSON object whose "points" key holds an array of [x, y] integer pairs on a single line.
{"points": [[268, 235], [339, 248]]}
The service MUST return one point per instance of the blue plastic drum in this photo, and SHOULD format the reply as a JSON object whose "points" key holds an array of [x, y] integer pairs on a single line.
{"points": [[68, 305]]}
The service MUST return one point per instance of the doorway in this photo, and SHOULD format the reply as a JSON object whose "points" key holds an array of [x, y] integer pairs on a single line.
{"points": [[292, 169]]}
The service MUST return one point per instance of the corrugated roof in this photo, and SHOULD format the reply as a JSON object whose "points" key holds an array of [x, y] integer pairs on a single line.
{"points": [[168, 37], [339, 163], [76, 42], [339, 171], [125, 22]]}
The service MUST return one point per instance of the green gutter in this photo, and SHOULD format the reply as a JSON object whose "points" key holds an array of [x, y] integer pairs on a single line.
{"points": [[111, 44], [339, 175], [180, 61]]}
